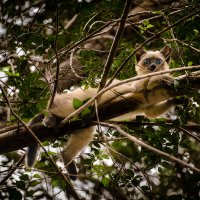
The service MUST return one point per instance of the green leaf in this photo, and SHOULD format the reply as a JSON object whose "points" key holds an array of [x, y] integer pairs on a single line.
{"points": [[20, 184], [166, 165], [24, 177], [196, 32], [86, 100], [176, 84], [85, 113], [14, 194], [30, 193], [105, 156], [51, 153], [37, 176], [150, 26], [11, 73], [34, 183], [46, 143], [105, 181], [77, 103], [56, 144]]}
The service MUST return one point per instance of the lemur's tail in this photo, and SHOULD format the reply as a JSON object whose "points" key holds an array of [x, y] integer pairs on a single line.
{"points": [[32, 151], [31, 154]]}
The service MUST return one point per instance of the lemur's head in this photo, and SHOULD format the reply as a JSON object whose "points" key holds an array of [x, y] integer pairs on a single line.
{"points": [[152, 61]]}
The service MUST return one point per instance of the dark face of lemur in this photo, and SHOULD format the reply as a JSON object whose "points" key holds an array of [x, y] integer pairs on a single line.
{"points": [[152, 61]]}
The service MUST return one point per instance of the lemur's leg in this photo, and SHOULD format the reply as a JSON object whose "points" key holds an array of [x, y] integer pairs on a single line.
{"points": [[32, 151], [78, 140]]}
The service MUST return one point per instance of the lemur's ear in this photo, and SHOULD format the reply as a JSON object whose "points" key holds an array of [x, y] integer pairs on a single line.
{"points": [[139, 52], [166, 51]]}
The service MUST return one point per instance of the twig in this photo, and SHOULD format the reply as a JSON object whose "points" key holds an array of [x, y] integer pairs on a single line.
{"points": [[57, 62], [11, 128], [183, 43], [129, 23], [34, 17], [185, 128], [71, 64], [108, 140], [173, 36], [90, 20], [190, 134], [71, 22], [177, 47], [36, 3], [143, 144]]}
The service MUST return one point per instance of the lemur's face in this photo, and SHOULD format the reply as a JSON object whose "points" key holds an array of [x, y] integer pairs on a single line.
{"points": [[152, 61]]}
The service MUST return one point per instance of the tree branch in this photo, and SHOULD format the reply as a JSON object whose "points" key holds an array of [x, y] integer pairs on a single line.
{"points": [[57, 61]]}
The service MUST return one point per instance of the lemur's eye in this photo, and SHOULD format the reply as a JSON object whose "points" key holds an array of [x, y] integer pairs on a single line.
{"points": [[158, 61], [147, 61]]}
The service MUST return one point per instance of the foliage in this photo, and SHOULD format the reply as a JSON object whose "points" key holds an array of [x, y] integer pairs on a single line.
{"points": [[31, 34]]}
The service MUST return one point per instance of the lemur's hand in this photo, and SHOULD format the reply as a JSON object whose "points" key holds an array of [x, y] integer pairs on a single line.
{"points": [[50, 120]]}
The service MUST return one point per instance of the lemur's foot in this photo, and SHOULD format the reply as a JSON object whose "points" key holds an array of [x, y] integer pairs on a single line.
{"points": [[50, 120]]}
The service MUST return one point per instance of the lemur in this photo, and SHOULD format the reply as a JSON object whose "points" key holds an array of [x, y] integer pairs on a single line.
{"points": [[146, 62]]}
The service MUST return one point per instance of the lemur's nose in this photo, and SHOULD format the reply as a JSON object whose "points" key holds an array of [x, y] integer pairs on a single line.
{"points": [[152, 67]]}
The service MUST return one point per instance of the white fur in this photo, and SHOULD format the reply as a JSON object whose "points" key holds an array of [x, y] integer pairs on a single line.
{"points": [[142, 70]]}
